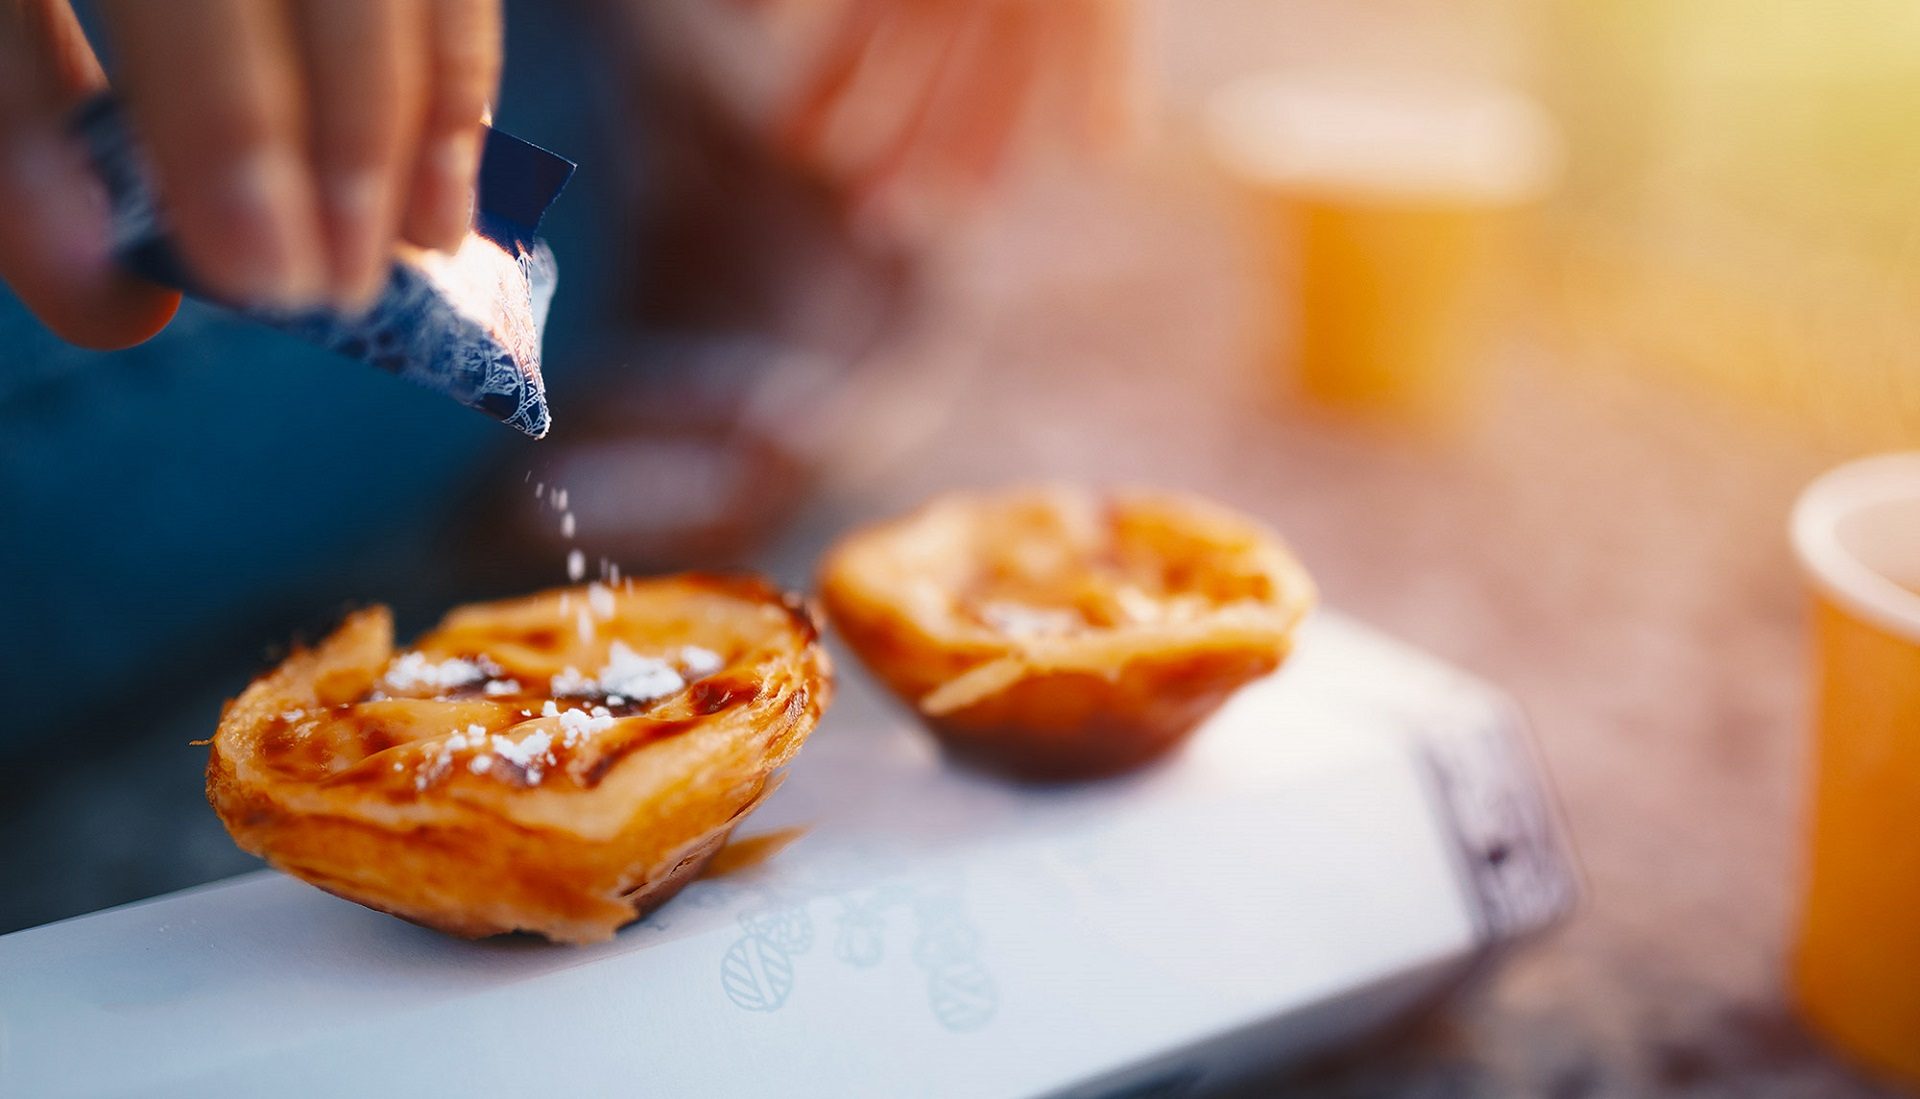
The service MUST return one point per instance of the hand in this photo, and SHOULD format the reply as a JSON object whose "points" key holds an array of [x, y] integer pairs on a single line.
{"points": [[909, 108], [295, 141], [915, 104]]}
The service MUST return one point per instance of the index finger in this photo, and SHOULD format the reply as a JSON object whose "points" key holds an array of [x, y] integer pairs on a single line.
{"points": [[214, 86], [464, 51]]}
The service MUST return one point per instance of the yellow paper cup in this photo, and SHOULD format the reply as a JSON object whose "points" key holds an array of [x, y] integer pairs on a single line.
{"points": [[1385, 213], [1856, 969]]}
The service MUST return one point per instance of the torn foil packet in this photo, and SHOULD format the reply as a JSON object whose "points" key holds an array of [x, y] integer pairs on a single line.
{"points": [[467, 324]]}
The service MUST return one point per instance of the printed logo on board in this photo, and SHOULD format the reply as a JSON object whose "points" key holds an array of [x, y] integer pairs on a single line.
{"points": [[757, 972]]}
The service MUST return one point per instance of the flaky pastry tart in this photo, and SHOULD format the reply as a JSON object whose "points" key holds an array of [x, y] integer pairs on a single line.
{"points": [[558, 764], [1059, 633]]}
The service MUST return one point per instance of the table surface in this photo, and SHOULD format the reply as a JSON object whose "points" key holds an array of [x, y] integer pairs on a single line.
{"points": [[1606, 547]]}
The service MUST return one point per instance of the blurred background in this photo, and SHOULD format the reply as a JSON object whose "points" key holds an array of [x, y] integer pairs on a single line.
{"points": [[1638, 270]]}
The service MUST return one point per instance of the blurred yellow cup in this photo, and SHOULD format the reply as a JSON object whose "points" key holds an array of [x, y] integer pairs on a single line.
{"points": [[1385, 212], [1856, 971]]}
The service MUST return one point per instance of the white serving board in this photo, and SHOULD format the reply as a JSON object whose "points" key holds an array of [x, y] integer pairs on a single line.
{"points": [[1342, 841]]}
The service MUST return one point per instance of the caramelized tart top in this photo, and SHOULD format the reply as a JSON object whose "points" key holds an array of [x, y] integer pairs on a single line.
{"points": [[1056, 578], [565, 709]]}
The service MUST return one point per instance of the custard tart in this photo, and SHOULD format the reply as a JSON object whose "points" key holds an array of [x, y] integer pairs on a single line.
{"points": [[1060, 633], [557, 764]]}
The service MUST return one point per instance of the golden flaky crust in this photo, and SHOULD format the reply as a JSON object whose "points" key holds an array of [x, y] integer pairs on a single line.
{"points": [[1059, 633], [557, 764]]}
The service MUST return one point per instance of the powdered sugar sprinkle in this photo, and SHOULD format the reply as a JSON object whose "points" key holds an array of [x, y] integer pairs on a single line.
{"points": [[629, 676], [414, 671]]}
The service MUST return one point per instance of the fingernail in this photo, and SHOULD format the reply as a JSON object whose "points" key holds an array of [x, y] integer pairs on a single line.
{"points": [[271, 262], [353, 214], [455, 165]]}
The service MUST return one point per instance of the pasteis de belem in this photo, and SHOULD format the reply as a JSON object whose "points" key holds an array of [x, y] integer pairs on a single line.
{"points": [[557, 764]]}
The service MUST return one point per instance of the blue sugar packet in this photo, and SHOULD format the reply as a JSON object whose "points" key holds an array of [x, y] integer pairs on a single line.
{"points": [[466, 324]]}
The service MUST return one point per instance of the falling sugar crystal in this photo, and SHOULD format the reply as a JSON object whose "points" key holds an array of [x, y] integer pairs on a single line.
{"points": [[600, 599], [576, 566]]}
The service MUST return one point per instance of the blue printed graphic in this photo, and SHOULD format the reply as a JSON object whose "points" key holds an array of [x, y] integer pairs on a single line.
{"points": [[757, 972]]}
